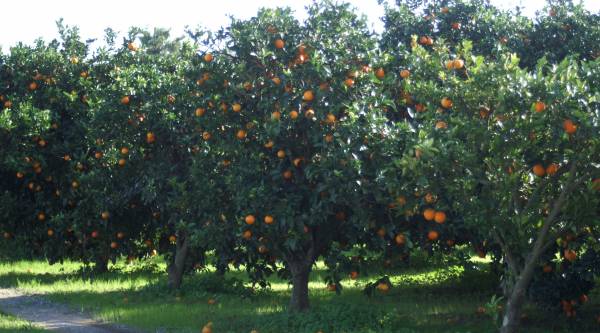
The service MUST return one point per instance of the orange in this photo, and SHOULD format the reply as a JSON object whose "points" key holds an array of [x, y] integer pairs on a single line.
{"points": [[401, 200], [247, 234], [50, 232], [297, 161], [310, 113], [405, 73], [354, 275], [20, 175], [458, 63], [429, 214], [200, 112], [105, 215], [287, 175], [207, 328], [206, 136], [250, 219], [570, 255], [293, 114], [547, 268], [433, 235], [539, 106], [380, 73], [172, 238], [262, 249], [539, 170], [125, 100], [114, 245], [120, 235], [124, 151], [132, 47], [276, 115], [241, 134], [308, 96], [236, 107], [32, 86], [279, 43], [569, 126], [95, 234], [150, 137], [208, 57], [269, 219], [400, 239], [552, 169], [349, 82], [456, 25], [276, 80], [269, 144], [383, 287], [98, 155], [429, 198], [440, 217], [449, 64], [331, 287], [281, 153], [446, 103], [420, 107], [8, 104], [441, 124], [445, 10], [330, 119], [41, 216]]}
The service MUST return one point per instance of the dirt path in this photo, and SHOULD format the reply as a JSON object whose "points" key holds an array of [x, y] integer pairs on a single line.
{"points": [[53, 316]]}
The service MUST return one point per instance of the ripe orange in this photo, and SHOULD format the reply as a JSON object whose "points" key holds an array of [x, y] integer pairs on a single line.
{"points": [[323, 86], [250, 219], [279, 43], [124, 151], [105, 215], [539, 170], [132, 47], [441, 124], [310, 113], [262, 249], [330, 119], [150, 137], [405, 73], [172, 238], [547, 268], [539, 106], [456, 25], [247, 234], [206, 136], [269, 219], [433, 235], [98, 155], [383, 287], [281, 153], [349, 82], [287, 174], [20, 175], [331, 287], [297, 161], [114, 245], [329, 138], [429, 214], [380, 73], [308, 95], [269, 144], [569, 126], [276, 115], [354, 275], [120, 235], [207, 328], [440, 217], [32, 86], [458, 63], [50, 232], [276, 80], [95, 234], [293, 114], [446, 103], [236, 107], [241, 134], [8, 104], [400, 239], [41, 216], [125, 100], [552, 169], [429, 198], [570, 255], [74, 184]]}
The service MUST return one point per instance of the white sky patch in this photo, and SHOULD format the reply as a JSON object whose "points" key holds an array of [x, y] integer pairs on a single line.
{"points": [[27, 20]]}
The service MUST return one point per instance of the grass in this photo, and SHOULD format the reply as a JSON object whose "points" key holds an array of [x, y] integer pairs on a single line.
{"points": [[10, 324], [428, 299]]}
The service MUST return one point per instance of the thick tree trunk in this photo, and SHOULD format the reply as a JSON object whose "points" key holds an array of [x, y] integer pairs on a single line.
{"points": [[177, 266], [300, 273], [512, 314]]}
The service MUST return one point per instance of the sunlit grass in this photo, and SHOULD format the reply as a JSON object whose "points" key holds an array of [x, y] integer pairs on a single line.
{"points": [[426, 298], [10, 324]]}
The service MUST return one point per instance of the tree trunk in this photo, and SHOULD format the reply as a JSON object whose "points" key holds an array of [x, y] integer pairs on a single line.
{"points": [[101, 265], [510, 321], [177, 266], [300, 272]]}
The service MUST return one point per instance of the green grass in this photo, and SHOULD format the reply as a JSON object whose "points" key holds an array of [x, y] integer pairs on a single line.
{"points": [[442, 299], [10, 324]]}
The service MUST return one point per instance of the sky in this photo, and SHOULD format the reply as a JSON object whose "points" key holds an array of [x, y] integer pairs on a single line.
{"points": [[27, 20]]}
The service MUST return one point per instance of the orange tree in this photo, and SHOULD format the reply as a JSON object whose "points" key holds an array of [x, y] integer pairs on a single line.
{"points": [[513, 154], [42, 121], [296, 100]]}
